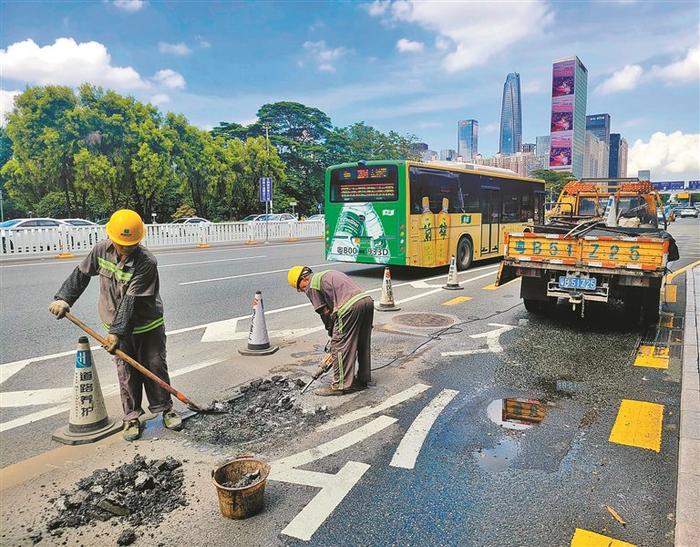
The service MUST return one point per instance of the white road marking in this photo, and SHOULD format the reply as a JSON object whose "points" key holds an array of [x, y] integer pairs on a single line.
{"points": [[224, 331], [492, 341], [108, 390], [369, 410], [407, 452], [336, 445], [160, 266], [433, 291], [247, 275], [10, 369], [421, 283], [311, 517]]}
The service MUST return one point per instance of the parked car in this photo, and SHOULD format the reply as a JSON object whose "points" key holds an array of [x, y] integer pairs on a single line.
{"points": [[316, 218], [276, 217], [251, 218], [23, 223], [78, 222], [191, 220], [689, 212]]}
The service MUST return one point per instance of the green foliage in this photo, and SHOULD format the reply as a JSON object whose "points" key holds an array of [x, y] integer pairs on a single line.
{"points": [[184, 211], [554, 181]]}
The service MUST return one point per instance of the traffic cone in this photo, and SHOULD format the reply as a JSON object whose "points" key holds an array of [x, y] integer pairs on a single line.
{"points": [[88, 421], [386, 302], [452, 284], [258, 340]]}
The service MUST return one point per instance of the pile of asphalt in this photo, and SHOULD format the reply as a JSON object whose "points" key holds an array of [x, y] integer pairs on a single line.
{"points": [[262, 411], [138, 492]]}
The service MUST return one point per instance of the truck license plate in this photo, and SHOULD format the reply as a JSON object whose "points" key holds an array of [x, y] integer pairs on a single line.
{"points": [[572, 282]]}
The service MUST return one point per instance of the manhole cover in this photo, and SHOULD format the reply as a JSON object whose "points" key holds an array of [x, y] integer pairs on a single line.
{"points": [[425, 320]]}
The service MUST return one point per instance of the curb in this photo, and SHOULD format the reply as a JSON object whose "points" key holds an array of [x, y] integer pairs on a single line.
{"points": [[688, 486]]}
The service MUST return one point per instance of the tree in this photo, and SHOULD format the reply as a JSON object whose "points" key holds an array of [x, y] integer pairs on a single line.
{"points": [[554, 181]]}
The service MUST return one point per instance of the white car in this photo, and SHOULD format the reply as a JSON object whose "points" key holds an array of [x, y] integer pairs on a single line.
{"points": [[316, 218], [24, 223], [78, 222], [276, 217], [251, 218], [191, 220], [689, 212]]}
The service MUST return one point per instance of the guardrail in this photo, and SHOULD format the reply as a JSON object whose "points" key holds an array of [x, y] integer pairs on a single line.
{"points": [[64, 239]]}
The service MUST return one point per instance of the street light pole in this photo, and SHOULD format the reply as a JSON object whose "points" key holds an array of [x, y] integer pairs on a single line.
{"points": [[266, 126], [2, 208]]}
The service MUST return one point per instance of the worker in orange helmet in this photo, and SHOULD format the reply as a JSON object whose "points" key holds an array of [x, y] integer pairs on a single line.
{"points": [[131, 310]]}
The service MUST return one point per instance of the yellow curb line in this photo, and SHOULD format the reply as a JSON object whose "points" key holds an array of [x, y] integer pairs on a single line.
{"points": [[651, 356], [670, 277], [586, 538]]}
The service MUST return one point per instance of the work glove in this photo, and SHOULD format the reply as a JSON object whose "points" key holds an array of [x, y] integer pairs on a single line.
{"points": [[59, 308], [324, 367], [112, 343]]}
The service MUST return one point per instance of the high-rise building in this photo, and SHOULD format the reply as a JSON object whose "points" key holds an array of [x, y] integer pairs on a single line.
{"points": [[448, 154], [599, 125], [522, 163], [511, 134], [542, 145], [617, 162], [428, 155], [595, 158], [467, 139], [568, 120], [527, 147]]}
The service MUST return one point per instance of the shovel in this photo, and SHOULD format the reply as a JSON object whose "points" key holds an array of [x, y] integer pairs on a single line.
{"points": [[211, 409]]}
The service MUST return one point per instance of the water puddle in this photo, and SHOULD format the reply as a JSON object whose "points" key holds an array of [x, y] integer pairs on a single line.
{"points": [[516, 414], [499, 457]]}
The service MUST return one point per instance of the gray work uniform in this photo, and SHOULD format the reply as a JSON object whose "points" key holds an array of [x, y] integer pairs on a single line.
{"points": [[130, 307], [351, 312]]}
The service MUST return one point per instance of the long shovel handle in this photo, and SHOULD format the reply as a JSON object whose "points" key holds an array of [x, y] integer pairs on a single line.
{"points": [[133, 362]]}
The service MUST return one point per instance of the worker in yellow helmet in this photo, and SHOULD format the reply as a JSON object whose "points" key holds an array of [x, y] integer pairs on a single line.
{"points": [[131, 310], [347, 312]]}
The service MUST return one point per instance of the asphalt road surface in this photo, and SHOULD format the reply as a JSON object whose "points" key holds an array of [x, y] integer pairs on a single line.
{"points": [[435, 463]]}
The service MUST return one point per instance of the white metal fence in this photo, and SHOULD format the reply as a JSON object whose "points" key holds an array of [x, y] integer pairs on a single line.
{"points": [[48, 241]]}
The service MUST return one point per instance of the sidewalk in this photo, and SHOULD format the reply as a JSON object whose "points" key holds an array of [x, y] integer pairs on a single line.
{"points": [[688, 493]]}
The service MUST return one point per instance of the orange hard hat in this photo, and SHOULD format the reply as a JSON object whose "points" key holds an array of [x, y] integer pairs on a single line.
{"points": [[125, 227]]}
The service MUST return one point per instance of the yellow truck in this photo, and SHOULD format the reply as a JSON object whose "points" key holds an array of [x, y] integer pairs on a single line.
{"points": [[602, 243]]}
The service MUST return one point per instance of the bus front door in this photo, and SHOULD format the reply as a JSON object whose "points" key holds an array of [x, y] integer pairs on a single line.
{"points": [[490, 221]]}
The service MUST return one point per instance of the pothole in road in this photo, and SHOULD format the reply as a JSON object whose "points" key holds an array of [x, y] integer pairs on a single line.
{"points": [[499, 457], [424, 320], [517, 414]]}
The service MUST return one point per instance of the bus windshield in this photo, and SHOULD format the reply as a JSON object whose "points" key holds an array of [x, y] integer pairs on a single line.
{"points": [[364, 183]]}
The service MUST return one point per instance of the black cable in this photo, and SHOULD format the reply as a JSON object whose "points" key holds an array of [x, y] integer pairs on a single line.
{"points": [[445, 331]]}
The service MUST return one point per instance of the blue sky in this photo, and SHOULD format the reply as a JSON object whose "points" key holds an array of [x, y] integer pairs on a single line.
{"points": [[415, 67]]}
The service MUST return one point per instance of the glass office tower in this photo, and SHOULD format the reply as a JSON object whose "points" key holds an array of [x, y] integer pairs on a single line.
{"points": [[511, 134]]}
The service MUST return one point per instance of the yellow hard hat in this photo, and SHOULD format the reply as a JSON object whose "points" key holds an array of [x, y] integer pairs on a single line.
{"points": [[293, 276], [125, 227]]}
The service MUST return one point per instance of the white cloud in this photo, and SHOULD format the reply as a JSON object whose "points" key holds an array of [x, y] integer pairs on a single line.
{"points": [[169, 78], [476, 30], [489, 128], [532, 86], [324, 56], [687, 69], [409, 46], [174, 49], [159, 99], [129, 5], [626, 78], [675, 155], [7, 103], [66, 62]]}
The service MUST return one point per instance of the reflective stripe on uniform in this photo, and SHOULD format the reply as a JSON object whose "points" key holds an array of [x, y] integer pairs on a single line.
{"points": [[316, 280], [159, 322], [120, 274], [344, 308]]}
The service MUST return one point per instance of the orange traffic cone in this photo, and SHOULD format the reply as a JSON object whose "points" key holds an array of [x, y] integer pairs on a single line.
{"points": [[258, 340], [88, 421], [386, 302]]}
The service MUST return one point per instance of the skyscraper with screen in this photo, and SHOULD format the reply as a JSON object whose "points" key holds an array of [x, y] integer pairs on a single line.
{"points": [[568, 116], [511, 134], [467, 139]]}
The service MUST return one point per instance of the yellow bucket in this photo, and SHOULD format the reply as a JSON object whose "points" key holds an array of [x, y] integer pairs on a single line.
{"points": [[244, 502]]}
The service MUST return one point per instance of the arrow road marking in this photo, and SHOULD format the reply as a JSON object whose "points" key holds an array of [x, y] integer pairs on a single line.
{"points": [[492, 341], [407, 452]]}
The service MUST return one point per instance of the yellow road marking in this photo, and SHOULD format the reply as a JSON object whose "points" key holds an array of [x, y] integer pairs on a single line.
{"points": [[670, 277], [652, 356], [638, 423], [457, 300], [670, 294], [492, 286], [666, 321], [586, 538]]}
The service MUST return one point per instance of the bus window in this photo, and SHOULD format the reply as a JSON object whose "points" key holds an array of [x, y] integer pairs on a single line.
{"points": [[435, 185], [370, 183], [511, 208], [470, 188], [526, 206], [539, 207]]}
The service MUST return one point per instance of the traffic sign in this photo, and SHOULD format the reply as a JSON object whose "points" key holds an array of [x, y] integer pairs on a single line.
{"points": [[265, 189]]}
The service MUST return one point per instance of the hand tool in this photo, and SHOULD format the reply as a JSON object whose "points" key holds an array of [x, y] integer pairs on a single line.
{"points": [[211, 409], [324, 367]]}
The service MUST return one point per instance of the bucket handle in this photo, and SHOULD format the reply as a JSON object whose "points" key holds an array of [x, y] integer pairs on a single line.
{"points": [[239, 457]]}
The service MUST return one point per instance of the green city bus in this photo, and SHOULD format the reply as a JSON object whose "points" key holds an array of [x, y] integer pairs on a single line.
{"points": [[408, 213]]}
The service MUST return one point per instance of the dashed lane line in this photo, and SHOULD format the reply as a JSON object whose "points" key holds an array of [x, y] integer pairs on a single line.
{"points": [[457, 300], [586, 538], [652, 356], [407, 452], [638, 424]]}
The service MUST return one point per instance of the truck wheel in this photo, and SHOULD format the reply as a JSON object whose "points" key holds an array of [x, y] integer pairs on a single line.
{"points": [[650, 305], [465, 254], [533, 306]]}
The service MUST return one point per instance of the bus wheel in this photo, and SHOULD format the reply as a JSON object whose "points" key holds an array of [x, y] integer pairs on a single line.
{"points": [[465, 254]]}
